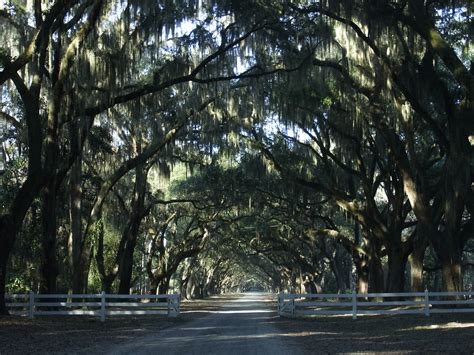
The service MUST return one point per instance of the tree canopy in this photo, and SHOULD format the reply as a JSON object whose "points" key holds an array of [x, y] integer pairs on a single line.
{"points": [[210, 146]]}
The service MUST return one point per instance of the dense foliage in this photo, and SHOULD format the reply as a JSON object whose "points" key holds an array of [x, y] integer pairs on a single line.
{"points": [[208, 146]]}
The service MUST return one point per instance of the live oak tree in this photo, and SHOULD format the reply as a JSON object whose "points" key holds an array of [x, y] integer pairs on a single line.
{"points": [[395, 75], [363, 108], [72, 61]]}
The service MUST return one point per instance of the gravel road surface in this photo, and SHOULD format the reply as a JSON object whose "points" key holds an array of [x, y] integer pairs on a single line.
{"points": [[241, 326]]}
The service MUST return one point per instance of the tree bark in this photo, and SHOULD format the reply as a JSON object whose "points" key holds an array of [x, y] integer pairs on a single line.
{"points": [[136, 216], [451, 267], [7, 238], [11, 223], [75, 238], [447, 243], [107, 279], [164, 286], [397, 260], [376, 275], [335, 266], [81, 271], [398, 252], [165, 269], [416, 258], [49, 263], [361, 263]]}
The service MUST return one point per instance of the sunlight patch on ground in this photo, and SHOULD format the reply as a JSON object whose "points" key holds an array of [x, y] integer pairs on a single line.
{"points": [[305, 334], [256, 297], [219, 337], [252, 300], [246, 311], [451, 325]]}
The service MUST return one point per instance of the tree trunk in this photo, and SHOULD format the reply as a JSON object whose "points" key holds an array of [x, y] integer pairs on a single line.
{"points": [[7, 238], [107, 283], [310, 285], [397, 261], [451, 267], [79, 279], [191, 287], [376, 275], [49, 263], [211, 278], [186, 277], [416, 272], [126, 267], [136, 216], [154, 283], [343, 264], [4, 253], [361, 263], [416, 261], [164, 286], [340, 284], [11, 223], [183, 287], [107, 279], [75, 237], [362, 281], [396, 270], [457, 187], [362, 273], [81, 271], [369, 271]]}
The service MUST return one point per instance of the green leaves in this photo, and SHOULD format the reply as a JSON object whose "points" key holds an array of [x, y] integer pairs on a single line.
{"points": [[100, 140]]}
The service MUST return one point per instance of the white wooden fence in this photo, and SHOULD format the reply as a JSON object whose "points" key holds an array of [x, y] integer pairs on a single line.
{"points": [[376, 303], [101, 305]]}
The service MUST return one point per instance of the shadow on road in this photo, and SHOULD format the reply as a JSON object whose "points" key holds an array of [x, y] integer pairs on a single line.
{"points": [[238, 324]]}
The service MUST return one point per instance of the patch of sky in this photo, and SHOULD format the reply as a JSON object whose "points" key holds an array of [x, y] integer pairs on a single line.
{"points": [[463, 46], [273, 127]]}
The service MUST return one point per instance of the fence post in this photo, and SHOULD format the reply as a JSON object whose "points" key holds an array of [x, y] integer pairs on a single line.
{"points": [[173, 305], [102, 307], [293, 306], [31, 313], [427, 303], [354, 305]]}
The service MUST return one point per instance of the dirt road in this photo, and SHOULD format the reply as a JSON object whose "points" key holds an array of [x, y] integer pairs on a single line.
{"points": [[240, 326]]}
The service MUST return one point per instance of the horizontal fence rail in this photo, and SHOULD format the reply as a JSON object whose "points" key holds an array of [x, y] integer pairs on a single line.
{"points": [[100, 305], [356, 304]]}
